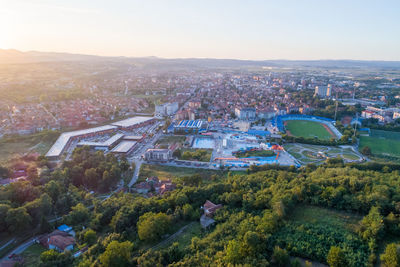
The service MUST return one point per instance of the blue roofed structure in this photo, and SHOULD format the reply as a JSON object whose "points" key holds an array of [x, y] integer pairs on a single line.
{"points": [[64, 228], [259, 132]]}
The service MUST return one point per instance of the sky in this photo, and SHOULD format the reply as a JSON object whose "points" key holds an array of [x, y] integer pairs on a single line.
{"points": [[247, 29]]}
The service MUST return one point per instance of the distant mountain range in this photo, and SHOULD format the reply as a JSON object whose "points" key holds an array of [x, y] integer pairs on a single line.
{"points": [[12, 56]]}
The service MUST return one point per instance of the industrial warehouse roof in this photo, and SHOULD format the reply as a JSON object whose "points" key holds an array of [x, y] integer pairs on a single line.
{"points": [[132, 121], [109, 142], [133, 137], [258, 132], [189, 124], [58, 147], [123, 147]]}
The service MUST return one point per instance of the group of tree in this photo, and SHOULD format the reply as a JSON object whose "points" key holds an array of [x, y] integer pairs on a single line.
{"points": [[344, 140], [253, 227], [374, 124], [25, 204], [197, 154]]}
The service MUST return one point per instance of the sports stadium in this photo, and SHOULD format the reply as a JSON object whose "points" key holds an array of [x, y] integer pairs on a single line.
{"points": [[306, 126]]}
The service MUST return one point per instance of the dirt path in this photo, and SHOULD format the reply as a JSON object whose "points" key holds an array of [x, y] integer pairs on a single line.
{"points": [[171, 237]]}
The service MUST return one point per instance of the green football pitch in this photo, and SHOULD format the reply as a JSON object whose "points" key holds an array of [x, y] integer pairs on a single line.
{"points": [[307, 129], [382, 143]]}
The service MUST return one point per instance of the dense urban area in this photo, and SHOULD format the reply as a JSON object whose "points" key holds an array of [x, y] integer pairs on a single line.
{"points": [[198, 162]]}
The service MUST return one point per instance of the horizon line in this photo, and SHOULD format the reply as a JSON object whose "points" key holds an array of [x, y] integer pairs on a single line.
{"points": [[186, 58]]}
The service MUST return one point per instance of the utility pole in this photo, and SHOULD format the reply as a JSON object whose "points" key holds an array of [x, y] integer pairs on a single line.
{"points": [[336, 105], [355, 124]]}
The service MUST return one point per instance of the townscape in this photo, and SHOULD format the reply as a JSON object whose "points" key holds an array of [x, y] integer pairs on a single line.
{"points": [[158, 133], [199, 133]]}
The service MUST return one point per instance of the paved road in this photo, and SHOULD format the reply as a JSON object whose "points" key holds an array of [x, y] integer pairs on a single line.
{"points": [[8, 243], [137, 158], [138, 164], [21, 248]]}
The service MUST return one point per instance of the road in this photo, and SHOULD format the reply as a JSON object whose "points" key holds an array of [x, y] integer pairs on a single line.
{"points": [[171, 237], [138, 164], [8, 243], [137, 158], [21, 248]]}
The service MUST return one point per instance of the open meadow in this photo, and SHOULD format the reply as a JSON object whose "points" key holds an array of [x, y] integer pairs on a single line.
{"points": [[382, 143]]}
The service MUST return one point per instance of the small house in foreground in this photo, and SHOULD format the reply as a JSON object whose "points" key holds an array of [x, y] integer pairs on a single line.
{"points": [[209, 209]]}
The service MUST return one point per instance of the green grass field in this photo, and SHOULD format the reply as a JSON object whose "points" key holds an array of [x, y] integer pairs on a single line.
{"points": [[32, 255], [382, 143], [14, 145], [171, 172], [313, 214], [171, 139], [307, 129]]}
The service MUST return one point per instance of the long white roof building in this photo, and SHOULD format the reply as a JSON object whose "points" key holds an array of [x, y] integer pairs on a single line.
{"points": [[58, 147], [132, 121], [123, 147], [107, 143]]}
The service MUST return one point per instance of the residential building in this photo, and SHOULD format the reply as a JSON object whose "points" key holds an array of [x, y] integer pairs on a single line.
{"points": [[155, 154], [323, 91], [245, 113], [166, 109]]}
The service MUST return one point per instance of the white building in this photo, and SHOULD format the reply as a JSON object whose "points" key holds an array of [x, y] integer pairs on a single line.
{"points": [[323, 91], [245, 113], [158, 154], [166, 109]]}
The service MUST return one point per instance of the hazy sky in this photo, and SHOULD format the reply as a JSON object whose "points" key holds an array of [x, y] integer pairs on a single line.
{"points": [[248, 29]]}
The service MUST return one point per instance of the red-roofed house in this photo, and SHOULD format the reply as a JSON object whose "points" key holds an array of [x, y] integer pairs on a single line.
{"points": [[210, 208]]}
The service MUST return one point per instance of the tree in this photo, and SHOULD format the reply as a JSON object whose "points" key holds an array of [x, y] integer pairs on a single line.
{"points": [[78, 214], [188, 212], [366, 151], [279, 209], [51, 258], [18, 219], [53, 189], [372, 224], [251, 244], [33, 175], [4, 208], [4, 172], [152, 226], [336, 257], [280, 256], [177, 153], [117, 254], [391, 257], [45, 225], [91, 178], [193, 180], [90, 237], [232, 252]]}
